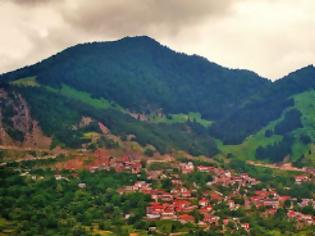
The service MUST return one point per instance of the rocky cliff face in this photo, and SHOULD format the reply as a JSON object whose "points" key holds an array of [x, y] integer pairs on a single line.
{"points": [[17, 127]]}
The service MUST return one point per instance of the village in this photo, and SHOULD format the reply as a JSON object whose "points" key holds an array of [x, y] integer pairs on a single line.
{"points": [[191, 203]]}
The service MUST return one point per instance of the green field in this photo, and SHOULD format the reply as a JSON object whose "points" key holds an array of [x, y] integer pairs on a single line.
{"points": [[247, 149], [180, 118], [98, 103], [27, 82], [6, 227]]}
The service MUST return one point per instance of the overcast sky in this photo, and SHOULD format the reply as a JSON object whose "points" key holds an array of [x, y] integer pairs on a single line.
{"points": [[271, 37]]}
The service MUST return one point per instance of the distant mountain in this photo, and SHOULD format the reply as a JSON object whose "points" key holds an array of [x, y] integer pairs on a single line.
{"points": [[276, 125], [164, 98]]}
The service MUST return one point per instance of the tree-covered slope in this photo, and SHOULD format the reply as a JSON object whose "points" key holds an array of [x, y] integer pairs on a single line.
{"points": [[60, 114], [265, 106], [142, 75]]}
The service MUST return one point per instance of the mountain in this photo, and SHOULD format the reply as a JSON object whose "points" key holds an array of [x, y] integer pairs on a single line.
{"points": [[164, 98], [142, 75]]}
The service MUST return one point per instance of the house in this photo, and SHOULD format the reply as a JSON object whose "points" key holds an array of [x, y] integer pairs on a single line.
{"points": [[310, 170], [307, 202], [205, 169], [60, 177], [203, 202], [181, 203], [255, 200], [292, 214], [211, 219], [141, 186], [301, 178], [266, 193], [216, 196], [206, 209], [188, 208], [101, 154], [246, 226], [284, 198], [160, 195], [82, 185], [187, 168], [270, 212], [154, 174], [185, 218], [226, 221], [154, 210], [271, 203], [166, 197], [202, 224], [232, 206], [135, 167], [168, 213], [300, 217], [153, 216], [177, 182], [185, 193]]}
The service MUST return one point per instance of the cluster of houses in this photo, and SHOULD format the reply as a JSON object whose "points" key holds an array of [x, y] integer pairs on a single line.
{"points": [[299, 179], [266, 198], [181, 203], [178, 204], [227, 179], [309, 170], [301, 218], [307, 202], [104, 161], [119, 164], [221, 177]]}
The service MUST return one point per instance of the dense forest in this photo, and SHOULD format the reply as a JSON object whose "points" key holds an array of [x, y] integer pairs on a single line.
{"points": [[142, 75], [275, 152]]}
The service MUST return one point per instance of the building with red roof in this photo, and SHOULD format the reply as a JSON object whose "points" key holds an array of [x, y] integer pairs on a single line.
{"points": [[186, 218], [203, 202]]}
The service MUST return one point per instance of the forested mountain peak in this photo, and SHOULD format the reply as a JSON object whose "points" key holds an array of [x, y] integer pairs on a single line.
{"points": [[140, 74]]}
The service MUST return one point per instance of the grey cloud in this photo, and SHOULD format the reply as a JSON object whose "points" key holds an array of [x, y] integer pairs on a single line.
{"points": [[31, 2], [133, 17]]}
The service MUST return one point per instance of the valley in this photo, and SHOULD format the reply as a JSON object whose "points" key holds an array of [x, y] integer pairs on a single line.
{"points": [[132, 138]]}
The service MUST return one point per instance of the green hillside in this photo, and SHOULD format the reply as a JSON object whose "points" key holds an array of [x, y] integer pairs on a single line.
{"points": [[98, 103], [59, 114], [180, 118], [304, 102]]}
